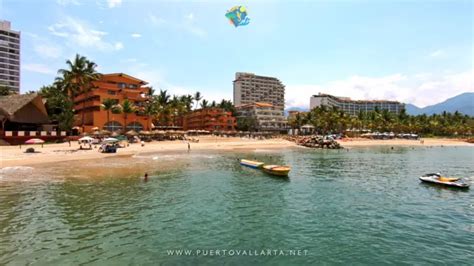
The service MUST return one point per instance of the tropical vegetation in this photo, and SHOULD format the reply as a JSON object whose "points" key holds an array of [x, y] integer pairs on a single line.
{"points": [[333, 120]]}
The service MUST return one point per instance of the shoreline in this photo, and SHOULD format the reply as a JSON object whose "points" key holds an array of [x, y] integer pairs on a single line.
{"points": [[423, 142], [12, 156]]}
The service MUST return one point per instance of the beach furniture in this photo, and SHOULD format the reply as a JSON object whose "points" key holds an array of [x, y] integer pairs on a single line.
{"points": [[251, 164], [438, 179]]}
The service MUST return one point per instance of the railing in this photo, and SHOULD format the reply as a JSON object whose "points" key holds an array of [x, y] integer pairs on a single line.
{"points": [[19, 137], [7, 134]]}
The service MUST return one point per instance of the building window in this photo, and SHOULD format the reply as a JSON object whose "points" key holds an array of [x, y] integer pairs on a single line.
{"points": [[122, 85], [113, 126], [132, 86], [135, 126], [110, 92]]}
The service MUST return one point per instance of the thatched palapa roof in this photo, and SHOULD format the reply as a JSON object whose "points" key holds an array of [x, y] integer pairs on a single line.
{"points": [[23, 108]]}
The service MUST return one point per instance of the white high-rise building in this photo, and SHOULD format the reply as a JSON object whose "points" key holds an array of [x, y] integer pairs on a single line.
{"points": [[9, 57], [250, 88], [353, 107]]}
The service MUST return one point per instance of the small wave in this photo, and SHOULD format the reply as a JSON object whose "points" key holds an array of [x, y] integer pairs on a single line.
{"points": [[11, 169], [168, 157]]}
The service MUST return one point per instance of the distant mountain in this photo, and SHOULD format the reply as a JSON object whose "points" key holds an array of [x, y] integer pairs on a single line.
{"points": [[413, 109], [299, 109], [463, 103]]}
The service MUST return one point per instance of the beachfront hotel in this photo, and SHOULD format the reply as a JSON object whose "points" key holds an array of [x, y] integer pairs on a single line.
{"points": [[353, 107], [250, 88], [210, 119], [261, 99], [116, 86], [266, 116], [9, 57]]}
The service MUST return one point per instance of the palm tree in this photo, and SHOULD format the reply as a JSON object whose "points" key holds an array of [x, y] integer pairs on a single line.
{"points": [[197, 98], [4, 90], [204, 104], [110, 105], [127, 108], [79, 77], [189, 102], [151, 91]]}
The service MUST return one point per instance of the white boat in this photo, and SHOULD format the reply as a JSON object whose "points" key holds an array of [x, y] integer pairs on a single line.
{"points": [[251, 164], [446, 181]]}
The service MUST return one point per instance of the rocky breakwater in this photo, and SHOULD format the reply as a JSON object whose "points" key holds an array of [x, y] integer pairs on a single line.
{"points": [[314, 141]]}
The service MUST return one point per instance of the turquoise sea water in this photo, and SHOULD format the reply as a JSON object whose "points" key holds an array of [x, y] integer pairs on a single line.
{"points": [[362, 206]]}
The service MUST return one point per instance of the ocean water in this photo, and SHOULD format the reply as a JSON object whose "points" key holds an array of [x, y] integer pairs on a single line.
{"points": [[363, 206]]}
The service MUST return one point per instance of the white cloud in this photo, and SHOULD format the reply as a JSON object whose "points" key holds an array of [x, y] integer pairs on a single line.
{"points": [[118, 46], [80, 33], [136, 35], [437, 53], [157, 79], [38, 68], [188, 24], [421, 90], [190, 16], [114, 3], [43, 46], [156, 21], [129, 60], [48, 50], [68, 2]]}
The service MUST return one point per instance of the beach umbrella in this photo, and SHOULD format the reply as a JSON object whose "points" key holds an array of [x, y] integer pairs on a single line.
{"points": [[144, 132], [131, 133], [115, 134], [95, 129], [34, 141], [87, 138], [111, 140]]}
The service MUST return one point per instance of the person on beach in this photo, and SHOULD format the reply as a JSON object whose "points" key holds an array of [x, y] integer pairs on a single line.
{"points": [[146, 177], [189, 146]]}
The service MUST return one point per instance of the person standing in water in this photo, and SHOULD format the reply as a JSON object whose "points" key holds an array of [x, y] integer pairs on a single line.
{"points": [[189, 146], [146, 177]]}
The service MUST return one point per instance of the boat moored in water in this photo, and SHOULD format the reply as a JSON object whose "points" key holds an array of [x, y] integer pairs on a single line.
{"points": [[436, 178], [278, 170], [251, 164]]}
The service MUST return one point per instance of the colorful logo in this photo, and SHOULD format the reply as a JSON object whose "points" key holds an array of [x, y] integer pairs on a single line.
{"points": [[238, 16]]}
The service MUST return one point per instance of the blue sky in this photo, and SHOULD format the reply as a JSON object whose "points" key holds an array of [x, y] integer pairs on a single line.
{"points": [[412, 51]]}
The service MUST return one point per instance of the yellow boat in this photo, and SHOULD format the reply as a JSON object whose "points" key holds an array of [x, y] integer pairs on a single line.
{"points": [[278, 170]]}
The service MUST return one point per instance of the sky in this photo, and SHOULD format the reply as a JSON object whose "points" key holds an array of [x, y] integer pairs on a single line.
{"points": [[418, 52]]}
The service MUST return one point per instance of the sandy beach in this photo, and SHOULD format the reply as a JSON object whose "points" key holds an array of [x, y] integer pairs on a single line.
{"points": [[52, 153], [357, 142]]}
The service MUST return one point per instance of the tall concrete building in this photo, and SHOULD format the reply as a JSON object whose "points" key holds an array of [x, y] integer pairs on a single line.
{"points": [[353, 107], [9, 57], [250, 88]]}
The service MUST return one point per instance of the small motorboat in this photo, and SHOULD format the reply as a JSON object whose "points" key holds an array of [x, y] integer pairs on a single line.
{"points": [[278, 170], [436, 178], [251, 164]]}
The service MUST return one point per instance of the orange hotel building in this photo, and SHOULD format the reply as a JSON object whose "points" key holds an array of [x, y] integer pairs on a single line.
{"points": [[117, 86], [210, 119]]}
